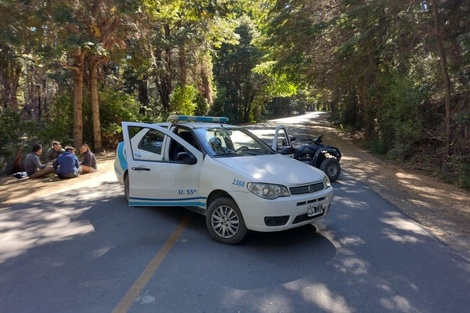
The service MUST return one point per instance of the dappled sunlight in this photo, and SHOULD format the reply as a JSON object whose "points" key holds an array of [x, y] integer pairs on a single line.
{"points": [[398, 304], [395, 236], [30, 228], [351, 203], [427, 192], [350, 265], [320, 295], [352, 241], [399, 222], [231, 298], [416, 183], [51, 219], [420, 203], [98, 253], [347, 263], [398, 225], [275, 303], [401, 175], [350, 158]]}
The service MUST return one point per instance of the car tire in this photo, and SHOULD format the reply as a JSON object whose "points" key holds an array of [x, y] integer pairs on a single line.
{"points": [[225, 222], [331, 168], [126, 187]]}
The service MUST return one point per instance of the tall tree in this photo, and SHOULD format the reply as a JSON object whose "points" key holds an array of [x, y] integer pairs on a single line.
{"points": [[445, 75], [234, 73], [91, 29]]}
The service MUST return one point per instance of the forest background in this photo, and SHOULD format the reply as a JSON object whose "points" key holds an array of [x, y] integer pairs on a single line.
{"points": [[397, 72]]}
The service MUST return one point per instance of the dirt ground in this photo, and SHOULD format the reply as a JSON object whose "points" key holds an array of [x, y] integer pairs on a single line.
{"points": [[14, 191], [441, 208]]}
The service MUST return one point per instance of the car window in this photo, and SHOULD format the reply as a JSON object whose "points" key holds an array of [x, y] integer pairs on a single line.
{"points": [[146, 144], [221, 141], [152, 141]]}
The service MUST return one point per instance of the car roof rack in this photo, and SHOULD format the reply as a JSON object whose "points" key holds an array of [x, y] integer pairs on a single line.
{"points": [[206, 119]]}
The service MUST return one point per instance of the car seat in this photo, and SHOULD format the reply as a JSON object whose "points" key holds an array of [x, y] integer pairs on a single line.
{"points": [[187, 136]]}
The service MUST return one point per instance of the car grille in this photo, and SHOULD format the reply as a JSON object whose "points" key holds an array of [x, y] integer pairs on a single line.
{"points": [[305, 217], [310, 188], [276, 220], [310, 201]]}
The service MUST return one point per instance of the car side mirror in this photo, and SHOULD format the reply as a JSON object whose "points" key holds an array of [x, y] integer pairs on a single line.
{"points": [[286, 150], [292, 138], [185, 157]]}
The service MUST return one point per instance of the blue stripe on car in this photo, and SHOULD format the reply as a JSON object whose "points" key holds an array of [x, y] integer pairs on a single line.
{"points": [[122, 157], [150, 202]]}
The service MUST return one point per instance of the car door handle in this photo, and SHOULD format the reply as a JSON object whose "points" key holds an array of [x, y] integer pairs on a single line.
{"points": [[141, 169]]}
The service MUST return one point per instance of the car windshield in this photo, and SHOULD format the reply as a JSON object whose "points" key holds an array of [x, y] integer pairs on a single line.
{"points": [[228, 142]]}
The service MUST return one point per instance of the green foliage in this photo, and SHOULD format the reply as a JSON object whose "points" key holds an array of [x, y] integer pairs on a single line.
{"points": [[10, 131], [464, 173], [202, 106], [183, 100], [222, 106], [15, 133], [237, 84], [59, 121], [115, 107], [401, 122]]}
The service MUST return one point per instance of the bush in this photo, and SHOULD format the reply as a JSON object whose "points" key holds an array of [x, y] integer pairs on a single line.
{"points": [[400, 120], [183, 100], [59, 121], [115, 107]]}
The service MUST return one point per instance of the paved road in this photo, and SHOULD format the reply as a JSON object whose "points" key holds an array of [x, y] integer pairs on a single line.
{"points": [[85, 250]]}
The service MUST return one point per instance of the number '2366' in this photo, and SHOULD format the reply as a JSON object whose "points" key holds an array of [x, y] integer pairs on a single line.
{"points": [[237, 182]]}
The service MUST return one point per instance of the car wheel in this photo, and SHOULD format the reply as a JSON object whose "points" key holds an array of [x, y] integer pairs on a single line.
{"points": [[126, 187], [331, 168], [225, 222]]}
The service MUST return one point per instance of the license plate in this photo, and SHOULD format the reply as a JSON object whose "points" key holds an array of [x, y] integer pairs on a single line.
{"points": [[315, 209]]}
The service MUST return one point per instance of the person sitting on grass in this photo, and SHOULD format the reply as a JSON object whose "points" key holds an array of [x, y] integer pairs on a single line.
{"points": [[33, 166], [53, 152], [67, 164], [89, 160]]}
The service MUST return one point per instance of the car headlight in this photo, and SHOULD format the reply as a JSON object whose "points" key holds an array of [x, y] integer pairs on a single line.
{"points": [[268, 191], [326, 181]]}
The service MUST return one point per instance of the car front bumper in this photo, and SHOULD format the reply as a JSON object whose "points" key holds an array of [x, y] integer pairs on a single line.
{"points": [[285, 212]]}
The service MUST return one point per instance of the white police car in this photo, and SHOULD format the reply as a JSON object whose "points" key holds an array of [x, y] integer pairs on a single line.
{"points": [[221, 171]]}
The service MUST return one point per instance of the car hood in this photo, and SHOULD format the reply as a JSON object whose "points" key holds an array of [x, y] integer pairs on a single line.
{"points": [[275, 168]]}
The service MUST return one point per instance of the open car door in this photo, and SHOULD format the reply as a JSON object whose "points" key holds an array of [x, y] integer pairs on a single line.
{"points": [[154, 177]]}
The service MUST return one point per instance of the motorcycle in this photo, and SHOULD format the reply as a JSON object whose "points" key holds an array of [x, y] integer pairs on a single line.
{"points": [[314, 152]]}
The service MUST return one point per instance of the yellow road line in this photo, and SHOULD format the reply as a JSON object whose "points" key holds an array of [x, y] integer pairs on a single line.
{"points": [[135, 290]]}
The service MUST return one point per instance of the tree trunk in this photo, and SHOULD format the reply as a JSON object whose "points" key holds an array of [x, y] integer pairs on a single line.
{"points": [[163, 79], [95, 61], [78, 68], [206, 84], [183, 70], [446, 80], [143, 96], [10, 72]]}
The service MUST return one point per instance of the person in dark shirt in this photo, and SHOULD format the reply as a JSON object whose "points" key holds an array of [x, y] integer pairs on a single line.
{"points": [[89, 160], [33, 166], [53, 152], [67, 164]]}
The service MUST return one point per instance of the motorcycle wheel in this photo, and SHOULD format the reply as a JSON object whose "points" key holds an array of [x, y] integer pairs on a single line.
{"points": [[331, 168]]}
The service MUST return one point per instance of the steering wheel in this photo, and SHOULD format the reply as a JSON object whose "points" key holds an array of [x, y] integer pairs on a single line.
{"points": [[242, 148]]}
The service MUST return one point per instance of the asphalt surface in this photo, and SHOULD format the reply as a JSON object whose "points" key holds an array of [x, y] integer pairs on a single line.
{"points": [[85, 250]]}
